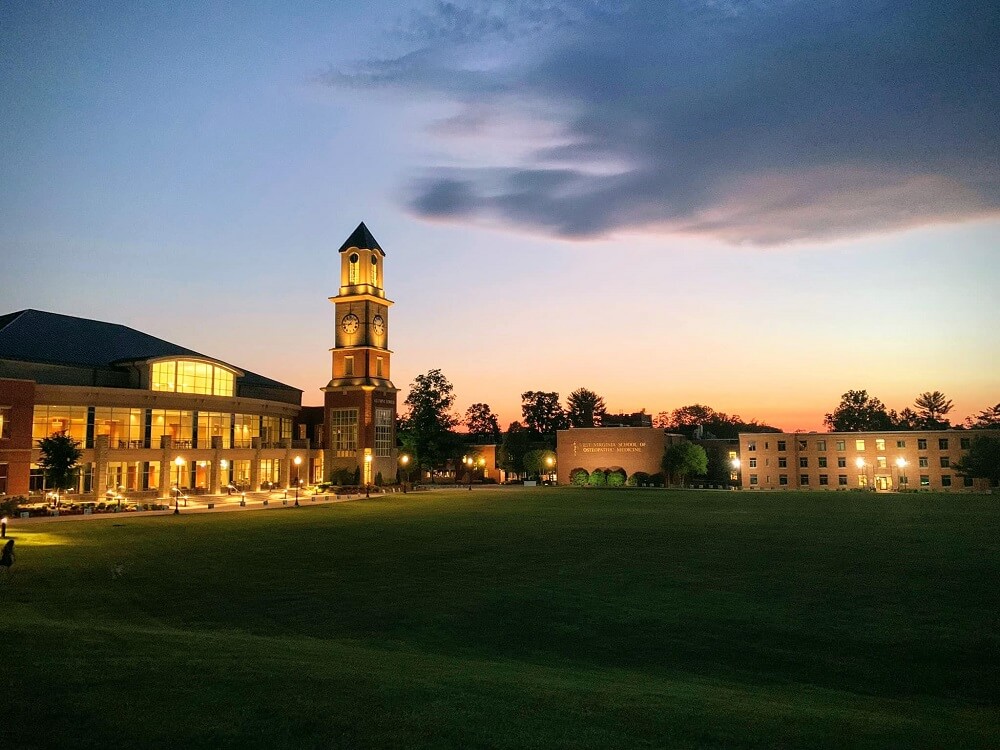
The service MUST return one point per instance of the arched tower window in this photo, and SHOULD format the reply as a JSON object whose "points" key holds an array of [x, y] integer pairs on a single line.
{"points": [[353, 272], [374, 270]]}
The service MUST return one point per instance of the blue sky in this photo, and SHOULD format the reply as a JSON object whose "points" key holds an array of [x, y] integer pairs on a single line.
{"points": [[754, 205]]}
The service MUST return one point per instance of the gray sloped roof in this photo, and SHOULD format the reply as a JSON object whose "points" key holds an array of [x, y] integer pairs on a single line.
{"points": [[51, 338], [362, 239]]}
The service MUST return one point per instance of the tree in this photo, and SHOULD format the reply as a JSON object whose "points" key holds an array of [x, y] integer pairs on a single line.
{"points": [[60, 456], [516, 443], [428, 421], [584, 408], [685, 459], [858, 412], [932, 406], [906, 420], [542, 413], [716, 424], [987, 418], [482, 423], [982, 460], [537, 462]]}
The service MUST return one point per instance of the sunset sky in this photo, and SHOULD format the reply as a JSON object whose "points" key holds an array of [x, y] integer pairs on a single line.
{"points": [[753, 205]]}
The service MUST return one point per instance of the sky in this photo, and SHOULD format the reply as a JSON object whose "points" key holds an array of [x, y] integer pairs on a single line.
{"points": [[752, 205]]}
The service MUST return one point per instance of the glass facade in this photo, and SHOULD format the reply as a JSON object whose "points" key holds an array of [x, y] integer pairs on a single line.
{"points": [[49, 420], [214, 424], [344, 432], [179, 425], [125, 428], [191, 376], [383, 433]]}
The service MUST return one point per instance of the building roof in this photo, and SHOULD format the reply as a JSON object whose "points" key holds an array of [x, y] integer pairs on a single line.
{"points": [[51, 338], [362, 239]]}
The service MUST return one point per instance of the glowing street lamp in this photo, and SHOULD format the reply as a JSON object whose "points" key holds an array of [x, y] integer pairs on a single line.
{"points": [[297, 461], [860, 463], [405, 461], [901, 466], [368, 474], [179, 463]]}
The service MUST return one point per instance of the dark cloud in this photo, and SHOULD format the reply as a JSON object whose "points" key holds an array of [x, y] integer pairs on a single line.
{"points": [[752, 122]]}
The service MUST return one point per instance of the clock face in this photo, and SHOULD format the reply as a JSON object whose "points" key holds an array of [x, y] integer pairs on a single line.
{"points": [[350, 323], [378, 323]]}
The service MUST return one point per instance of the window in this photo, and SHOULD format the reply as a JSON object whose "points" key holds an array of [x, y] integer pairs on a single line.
{"points": [[881, 462], [752, 445], [922, 462], [824, 480], [880, 444], [4, 427], [753, 463], [782, 479], [803, 445], [841, 462], [782, 462], [383, 432], [352, 269], [803, 462], [822, 462], [179, 425], [803, 480], [344, 432], [859, 445], [246, 427], [946, 480], [3, 479], [943, 444], [378, 368], [922, 444], [374, 270], [753, 479], [212, 425], [841, 445], [842, 480], [124, 427], [925, 480], [190, 376], [965, 443], [49, 420], [348, 367], [945, 462], [821, 445], [862, 480], [781, 445], [900, 443]]}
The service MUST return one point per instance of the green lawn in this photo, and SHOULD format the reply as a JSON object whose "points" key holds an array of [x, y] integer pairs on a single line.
{"points": [[548, 618]]}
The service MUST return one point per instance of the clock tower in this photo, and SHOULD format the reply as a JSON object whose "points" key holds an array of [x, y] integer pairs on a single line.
{"points": [[360, 399]]}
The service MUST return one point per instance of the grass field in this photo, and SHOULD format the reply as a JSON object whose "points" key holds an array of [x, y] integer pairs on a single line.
{"points": [[547, 618]]}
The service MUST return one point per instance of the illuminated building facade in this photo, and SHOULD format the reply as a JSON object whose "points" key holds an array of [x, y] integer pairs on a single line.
{"points": [[883, 461]]}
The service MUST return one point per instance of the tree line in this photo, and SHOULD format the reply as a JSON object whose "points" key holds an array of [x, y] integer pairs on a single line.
{"points": [[860, 412]]}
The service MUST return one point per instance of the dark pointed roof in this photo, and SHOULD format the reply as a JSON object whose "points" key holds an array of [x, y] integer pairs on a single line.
{"points": [[362, 239], [44, 337]]}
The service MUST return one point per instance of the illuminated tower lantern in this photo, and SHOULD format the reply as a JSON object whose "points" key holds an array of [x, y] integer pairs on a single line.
{"points": [[360, 399]]}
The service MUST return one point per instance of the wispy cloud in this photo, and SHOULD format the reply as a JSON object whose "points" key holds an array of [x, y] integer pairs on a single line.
{"points": [[762, 122]]}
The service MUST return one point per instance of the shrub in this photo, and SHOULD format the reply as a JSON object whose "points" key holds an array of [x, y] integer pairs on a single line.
{"points": [[9, 506], [579, 477], [616, 478], [378, 479], [639, 479], [657, 479], [598, 478]]}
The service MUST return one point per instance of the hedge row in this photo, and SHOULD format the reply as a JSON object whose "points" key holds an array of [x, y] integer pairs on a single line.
{"points": [[615, 477]]}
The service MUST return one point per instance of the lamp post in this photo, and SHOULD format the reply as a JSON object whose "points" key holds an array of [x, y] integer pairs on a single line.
{"points": [[368, 474], [405, 461], [735, 476], [860, 463], [900, 471], [469, 461], [549, 463], [223, 466], [297, 461], [179, 463]]}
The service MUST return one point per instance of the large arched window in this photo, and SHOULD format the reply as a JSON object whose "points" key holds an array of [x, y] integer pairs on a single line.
{"points": [[192, 376]]}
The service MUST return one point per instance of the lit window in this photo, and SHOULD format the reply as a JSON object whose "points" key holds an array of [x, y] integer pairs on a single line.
{"points": [[352, 269], [859, 445], [925, 480], [189, 376], [879, 444], [4, 422], [881, 462], [344, 432], [374, 270], [383, 432], [378, 367], [348, 367]]}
